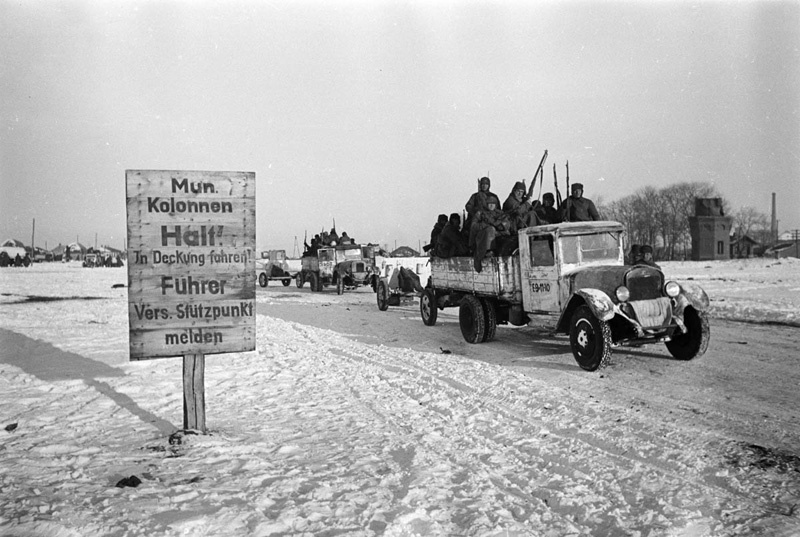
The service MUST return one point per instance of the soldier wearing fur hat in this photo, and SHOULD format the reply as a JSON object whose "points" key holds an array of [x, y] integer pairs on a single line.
{"points": [[546, 211], [577, 208], [646, 252], [519, 208], [479, 200]]}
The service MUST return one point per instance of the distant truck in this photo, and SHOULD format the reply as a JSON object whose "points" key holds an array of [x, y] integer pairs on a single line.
{"points": [[570, 278], [396, 286], [275, 266], [346, 267]]}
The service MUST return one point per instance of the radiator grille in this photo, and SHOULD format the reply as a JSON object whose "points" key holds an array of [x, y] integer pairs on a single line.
{"points": [[644, 283]]}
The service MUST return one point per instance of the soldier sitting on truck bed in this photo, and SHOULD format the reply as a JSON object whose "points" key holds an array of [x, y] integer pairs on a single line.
{"points": [[487, 225], [311, 249], [546, 211], [451, 241], [435, 232], [577, 208], [519, 208], [479, 200]]}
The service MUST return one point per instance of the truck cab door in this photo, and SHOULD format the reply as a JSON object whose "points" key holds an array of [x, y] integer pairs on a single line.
{"points": [[539, 267]]}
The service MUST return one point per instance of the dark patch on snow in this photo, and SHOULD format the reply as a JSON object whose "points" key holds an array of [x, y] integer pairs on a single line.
{"points": [[38, 298], [11, 427], [765, 322], [764, 458], [131, 481]]}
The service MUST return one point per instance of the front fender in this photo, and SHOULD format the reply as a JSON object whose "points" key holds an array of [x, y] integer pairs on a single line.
{"points": [[695, 295], [601, 305]]}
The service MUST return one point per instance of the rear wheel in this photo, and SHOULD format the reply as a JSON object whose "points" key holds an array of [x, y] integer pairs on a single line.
{"points": [[695, 341], [262, 280], [427, 307], [339, 284], [383, 296], [313, 282], [590, 339], [299, 281], [489, 319], [471, 319]]}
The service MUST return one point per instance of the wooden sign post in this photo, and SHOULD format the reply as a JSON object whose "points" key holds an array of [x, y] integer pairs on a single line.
{"points": [[191, 271]]}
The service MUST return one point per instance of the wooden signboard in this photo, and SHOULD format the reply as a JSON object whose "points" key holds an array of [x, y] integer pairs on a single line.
{"points": [[191, 262]]}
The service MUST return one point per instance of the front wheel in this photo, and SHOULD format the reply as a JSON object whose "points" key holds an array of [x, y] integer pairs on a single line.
{"points": [[383, 296], [695, 341], [471, 319], [427, 307], [590, 339], [299, 281], [262, 280], [286, 282], [313, 281]]}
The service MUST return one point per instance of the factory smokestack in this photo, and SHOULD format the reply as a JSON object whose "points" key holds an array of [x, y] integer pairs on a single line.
{"points": [[774, 227]]}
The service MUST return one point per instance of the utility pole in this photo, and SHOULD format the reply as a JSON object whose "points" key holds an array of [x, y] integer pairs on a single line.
{"points": [[796, 237]]}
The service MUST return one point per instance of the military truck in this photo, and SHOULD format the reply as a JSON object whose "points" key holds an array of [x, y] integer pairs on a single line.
{"points": [[571, 279], [346, 267], [275, 266]]}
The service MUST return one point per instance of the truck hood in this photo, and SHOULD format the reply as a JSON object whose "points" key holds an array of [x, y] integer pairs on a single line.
{"points": [[642, 281]]}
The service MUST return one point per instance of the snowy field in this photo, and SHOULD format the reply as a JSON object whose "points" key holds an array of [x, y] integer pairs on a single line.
{"points": [[317, 434]]}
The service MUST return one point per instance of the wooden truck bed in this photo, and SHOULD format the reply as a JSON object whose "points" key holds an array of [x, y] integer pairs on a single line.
{"points": [[499, 277]]}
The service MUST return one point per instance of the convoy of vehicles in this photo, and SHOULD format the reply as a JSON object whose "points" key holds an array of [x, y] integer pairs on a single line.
{"points": [[571, 279], [568, 279]]}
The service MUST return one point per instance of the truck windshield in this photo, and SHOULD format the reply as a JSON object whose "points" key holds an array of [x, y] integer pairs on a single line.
{"points": [[597, 247]]}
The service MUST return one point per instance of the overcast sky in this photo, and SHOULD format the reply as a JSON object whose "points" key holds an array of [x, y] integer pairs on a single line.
{"points": [[381, 115]]}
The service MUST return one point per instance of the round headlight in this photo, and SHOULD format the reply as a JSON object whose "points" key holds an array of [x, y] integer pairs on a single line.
{"points": [[672, 289], [623, 294]]}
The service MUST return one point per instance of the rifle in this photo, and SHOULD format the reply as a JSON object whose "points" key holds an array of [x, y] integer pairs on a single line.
{"points": [[555, 180], [535, 175], [566, 209]]}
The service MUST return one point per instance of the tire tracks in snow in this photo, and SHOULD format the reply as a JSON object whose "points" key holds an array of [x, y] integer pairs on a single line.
{"points": [[593, 457]]}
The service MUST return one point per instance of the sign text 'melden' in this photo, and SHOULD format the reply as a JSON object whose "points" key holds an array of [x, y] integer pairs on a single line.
{"points": [[191, 268], [184, 186]]}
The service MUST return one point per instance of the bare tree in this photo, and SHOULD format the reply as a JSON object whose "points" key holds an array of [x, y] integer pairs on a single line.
{"points": [[748, 221], [650, 215]]}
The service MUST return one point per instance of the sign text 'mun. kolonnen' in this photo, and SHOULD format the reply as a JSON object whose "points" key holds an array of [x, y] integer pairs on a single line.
{"points": [[171, 205]]}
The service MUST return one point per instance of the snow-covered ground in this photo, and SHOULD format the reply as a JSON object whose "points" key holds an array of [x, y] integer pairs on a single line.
{"points": [[317, 434]]}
